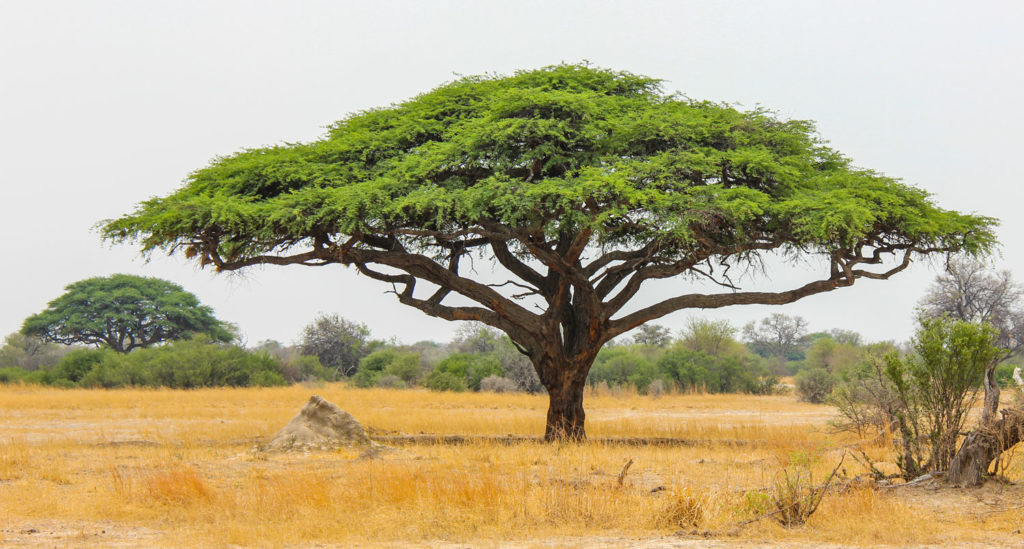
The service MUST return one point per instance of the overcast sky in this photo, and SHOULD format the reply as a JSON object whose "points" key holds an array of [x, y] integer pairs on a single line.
{"points": [[105, 104]]}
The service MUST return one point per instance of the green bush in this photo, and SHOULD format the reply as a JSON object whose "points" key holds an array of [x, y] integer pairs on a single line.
{"points": [[201, 363], [646, 372], [76, 364], [309, 368], [936, 388], [616, 365], [266, 378], [1004, 374], [439, 380], [470, 368], [815, 385], [364, 379], [403, 365], [12, 374], [378, 360], [198, 362], [406, 367], [697, 371]]}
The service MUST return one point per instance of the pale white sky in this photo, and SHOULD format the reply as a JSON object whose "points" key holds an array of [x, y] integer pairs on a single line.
{"points": [[104, 104]]}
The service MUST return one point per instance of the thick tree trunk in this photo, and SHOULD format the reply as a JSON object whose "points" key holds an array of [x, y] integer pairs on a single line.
{"points": [[983, 446], [565, 410]]}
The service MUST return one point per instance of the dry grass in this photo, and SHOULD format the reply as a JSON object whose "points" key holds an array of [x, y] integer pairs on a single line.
{"points": [[178, 468]]}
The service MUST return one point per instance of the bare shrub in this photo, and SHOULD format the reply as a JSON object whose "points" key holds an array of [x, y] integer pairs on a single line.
{"points": [[390, 381], [683, 509], [656, 388], [795, 496], [498, 384], [867, 402]]}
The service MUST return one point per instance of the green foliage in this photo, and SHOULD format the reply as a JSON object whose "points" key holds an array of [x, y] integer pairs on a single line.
{"points": [[525, 151], [616, 365], [406, 367], [815, 385], [755, 503], [711, 337], [682, 368], [389, 361], [796, 496], [645, 373], [696, 371], [1004, 373], [378, 360], [309, 368], [827, 354], [193, 363], [439, 380], [13, 374], [936, 388], [471, 368], [364, 379], [76, 364], [124, 312]]}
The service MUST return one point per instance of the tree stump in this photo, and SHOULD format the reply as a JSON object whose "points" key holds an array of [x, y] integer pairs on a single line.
{"points": [[983, 446]]}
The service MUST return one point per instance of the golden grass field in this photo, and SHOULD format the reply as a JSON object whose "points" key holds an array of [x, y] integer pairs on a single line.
{"points": [[139, 468]]}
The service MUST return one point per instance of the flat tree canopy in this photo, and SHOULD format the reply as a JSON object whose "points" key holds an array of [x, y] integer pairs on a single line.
{"points": [[124, 312], [583, 183]]}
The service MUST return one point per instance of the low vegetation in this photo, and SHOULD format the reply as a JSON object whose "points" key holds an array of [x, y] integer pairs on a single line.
{"points": [[95, 467]]}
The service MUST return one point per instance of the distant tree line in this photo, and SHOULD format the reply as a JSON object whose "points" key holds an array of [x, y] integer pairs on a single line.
{"points": [[705, 356]]}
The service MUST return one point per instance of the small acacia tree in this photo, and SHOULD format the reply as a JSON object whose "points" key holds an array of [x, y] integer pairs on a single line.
{"points": [[584, 184], [124, 312]]}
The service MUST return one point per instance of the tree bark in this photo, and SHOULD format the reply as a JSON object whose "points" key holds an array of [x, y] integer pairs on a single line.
{"points": [[983, 446], [565, 410], [991, 405]]}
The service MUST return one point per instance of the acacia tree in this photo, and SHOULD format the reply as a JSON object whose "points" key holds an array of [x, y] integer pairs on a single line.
{"points": [[124, 312], [584, 184]]}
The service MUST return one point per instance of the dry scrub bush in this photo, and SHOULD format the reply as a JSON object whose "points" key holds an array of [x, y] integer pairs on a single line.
{"points": [[498, 384], [795, 497], [794, 494], [684, 508]]}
